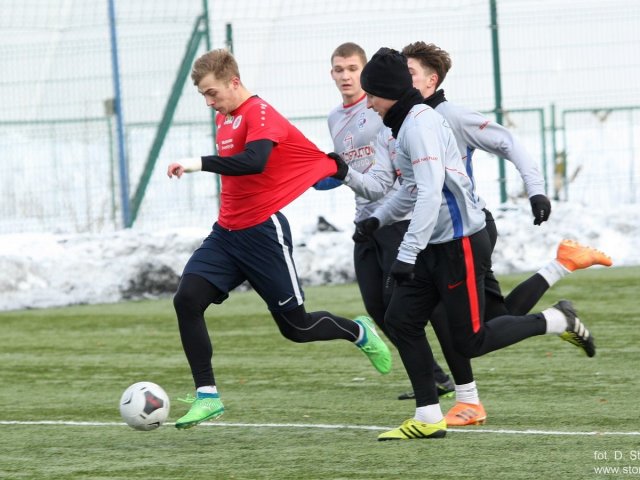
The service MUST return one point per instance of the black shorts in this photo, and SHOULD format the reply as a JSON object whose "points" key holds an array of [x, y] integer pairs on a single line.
{"points": [[262, 255], [452, 273]]}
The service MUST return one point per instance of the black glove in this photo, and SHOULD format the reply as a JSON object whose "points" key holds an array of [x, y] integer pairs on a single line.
{"points": [[401, 272], [365, 228], [343, 168], [541, 208]]}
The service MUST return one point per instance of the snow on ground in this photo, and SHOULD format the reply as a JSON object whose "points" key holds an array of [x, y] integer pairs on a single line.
{"points": [[44, 270]]}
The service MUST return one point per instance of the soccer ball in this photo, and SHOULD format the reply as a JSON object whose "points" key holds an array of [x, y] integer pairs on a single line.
{"points": [[144, 406]]}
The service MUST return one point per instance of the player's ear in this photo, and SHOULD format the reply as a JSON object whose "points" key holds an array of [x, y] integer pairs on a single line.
{"points": [[434, 78]]}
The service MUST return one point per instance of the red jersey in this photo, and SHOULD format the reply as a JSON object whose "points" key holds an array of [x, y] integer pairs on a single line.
{"points": [[293, 166]]}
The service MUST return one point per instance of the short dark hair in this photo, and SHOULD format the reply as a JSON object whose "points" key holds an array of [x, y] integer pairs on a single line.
{"points": [[430, 56]]}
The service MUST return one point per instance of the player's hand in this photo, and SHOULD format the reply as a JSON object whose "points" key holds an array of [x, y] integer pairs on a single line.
{"points": [[343, 168], [175, 169], [402, 272], [541, 208], [364, 229], [185, 165]]}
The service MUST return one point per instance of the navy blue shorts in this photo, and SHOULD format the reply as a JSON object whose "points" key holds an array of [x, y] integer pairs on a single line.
{"points": [[261, 255]]}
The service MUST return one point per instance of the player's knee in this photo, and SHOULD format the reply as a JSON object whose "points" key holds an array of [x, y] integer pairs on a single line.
{"points": [[467, 348], [294, 334], [181, 300], [294, 325], [195, 294], [186, 301]]}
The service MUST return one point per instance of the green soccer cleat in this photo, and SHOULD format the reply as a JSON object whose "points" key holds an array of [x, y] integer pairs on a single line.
{"points": [[446, 389], [414, 429], [373, 346], [205, 406]]}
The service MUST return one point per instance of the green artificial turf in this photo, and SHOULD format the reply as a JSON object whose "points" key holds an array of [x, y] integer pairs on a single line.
{"points": [[313, 411]]}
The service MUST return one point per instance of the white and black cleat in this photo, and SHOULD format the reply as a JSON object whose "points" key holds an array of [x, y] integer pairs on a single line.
{"points": [[576, 333]]}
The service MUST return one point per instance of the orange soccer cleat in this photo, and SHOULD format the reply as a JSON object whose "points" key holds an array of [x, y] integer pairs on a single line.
{"points": [[462, 414], [574, 256]]}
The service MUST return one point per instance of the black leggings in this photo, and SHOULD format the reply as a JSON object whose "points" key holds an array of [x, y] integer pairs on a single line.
{"points": [[372, 261], [195, 294], [434, 277], [519, 302]]}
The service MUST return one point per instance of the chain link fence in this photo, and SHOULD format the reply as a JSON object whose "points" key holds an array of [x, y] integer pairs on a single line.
{"points": [[568, 91]]}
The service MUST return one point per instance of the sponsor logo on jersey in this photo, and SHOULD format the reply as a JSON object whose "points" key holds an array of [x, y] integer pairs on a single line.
{"points": [[228, 119], [237, 121], [357, 153], [362, 120], [225, 144], [428, 158], [360, 159]]}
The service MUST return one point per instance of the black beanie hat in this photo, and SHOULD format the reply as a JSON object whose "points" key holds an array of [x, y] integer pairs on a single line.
{"points": [[386, 75]]}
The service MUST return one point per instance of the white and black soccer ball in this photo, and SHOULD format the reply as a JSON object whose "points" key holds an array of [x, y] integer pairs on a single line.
{"points": [[144, 406]]}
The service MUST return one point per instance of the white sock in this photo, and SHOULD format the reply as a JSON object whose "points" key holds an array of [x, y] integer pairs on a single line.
{"points": [[207, 389], [360, 335], [553, 271], [468, 393], [429, 414], [556, 321]]}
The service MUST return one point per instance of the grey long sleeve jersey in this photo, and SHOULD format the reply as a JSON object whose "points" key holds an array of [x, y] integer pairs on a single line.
{"points": [[472, 131], [354, 130], [434, 184]]}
